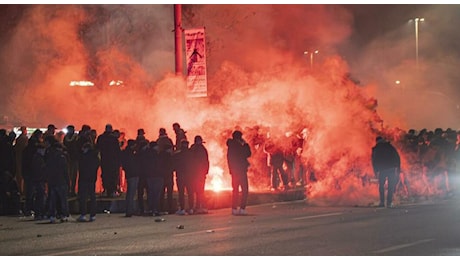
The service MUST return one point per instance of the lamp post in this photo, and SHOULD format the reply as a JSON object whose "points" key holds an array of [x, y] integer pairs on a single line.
{"points": [[311, 56], [416, 20]]}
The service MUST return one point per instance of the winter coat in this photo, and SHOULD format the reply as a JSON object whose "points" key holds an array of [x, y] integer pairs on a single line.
{"points": [[384, 157], [88, 164], [238, 153], [199, 160]]}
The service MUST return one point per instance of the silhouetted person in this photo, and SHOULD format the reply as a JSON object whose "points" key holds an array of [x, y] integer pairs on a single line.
{"points": [[386, 164], [19, 146], [181, 164], [180, 135], [109, 149], [36, 184], [130, 165], [89, 163], [57, 177], [165, 150], [199, 166], [238, 152], [72, 146]]}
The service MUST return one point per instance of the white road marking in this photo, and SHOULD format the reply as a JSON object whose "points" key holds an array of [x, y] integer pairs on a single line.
{"points": [[393, 248], [319, 216]]}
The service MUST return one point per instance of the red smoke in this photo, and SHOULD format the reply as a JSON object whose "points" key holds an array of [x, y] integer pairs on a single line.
{"points": [[258, 79]]}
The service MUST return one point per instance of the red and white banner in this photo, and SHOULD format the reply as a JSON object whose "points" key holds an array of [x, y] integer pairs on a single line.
{"points": [[195, 53]]}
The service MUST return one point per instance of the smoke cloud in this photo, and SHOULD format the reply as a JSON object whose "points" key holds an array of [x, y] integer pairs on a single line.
{"points": [[259, 81]]}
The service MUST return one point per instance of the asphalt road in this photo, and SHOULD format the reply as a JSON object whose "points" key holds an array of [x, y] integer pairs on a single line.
{"points": [[428, 228]]}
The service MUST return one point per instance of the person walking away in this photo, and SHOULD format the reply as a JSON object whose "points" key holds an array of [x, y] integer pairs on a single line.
{"points": [[57, 177], [129, 164], [36, 185], [165, 149], [19, 146], [386, 164], [181, 165], [89, 163], [72, 145], [109, 149], [238, 152], [199, 167], [27, 155], [8, 195]]}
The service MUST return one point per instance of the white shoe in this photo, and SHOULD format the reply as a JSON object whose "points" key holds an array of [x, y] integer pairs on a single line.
{"points": [[242, 212], [235, 212]]}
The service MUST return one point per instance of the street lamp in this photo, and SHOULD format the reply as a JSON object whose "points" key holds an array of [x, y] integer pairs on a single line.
{"points": [[417, 20], [311, 56]]}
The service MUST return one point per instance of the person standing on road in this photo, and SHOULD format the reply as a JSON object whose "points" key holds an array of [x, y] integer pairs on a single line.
{"points": [[199, 167], [386, 164], [89, 163], [129, 163], [110, 152], [238, 153]]}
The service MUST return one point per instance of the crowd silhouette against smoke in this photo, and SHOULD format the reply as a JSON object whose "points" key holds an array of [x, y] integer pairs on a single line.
{"points": [[259, 81]]}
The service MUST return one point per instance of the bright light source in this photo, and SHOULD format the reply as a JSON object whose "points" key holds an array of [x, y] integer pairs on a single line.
{"points": [[116, 83], [81, 83]]}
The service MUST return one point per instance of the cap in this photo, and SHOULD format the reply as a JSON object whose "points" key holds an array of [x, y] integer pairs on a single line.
{"points": [[140, 131], [51, 126], [162, 131]]}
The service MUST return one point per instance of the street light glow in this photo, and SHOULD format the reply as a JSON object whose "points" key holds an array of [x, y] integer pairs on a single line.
{"points": [[417, 20], [311, 56]]}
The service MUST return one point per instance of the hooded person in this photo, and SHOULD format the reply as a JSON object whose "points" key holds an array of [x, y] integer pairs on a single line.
{"points": [[199, 168], [238, 152], [386, 164]]}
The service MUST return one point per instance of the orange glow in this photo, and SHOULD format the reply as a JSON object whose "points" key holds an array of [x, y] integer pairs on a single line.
{"points": [[257, 83], [215, 180]]}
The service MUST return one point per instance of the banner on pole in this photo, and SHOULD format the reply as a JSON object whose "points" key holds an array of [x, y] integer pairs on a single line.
{"points": [[195, 53]]}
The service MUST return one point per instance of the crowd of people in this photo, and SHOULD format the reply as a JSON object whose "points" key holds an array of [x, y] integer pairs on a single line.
{"points": [[47, 168]]}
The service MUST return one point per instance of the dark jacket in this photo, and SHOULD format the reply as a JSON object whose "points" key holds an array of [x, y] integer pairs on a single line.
{"points": [[129, 162], [199, 160], [181, 163], [109, 149], [238, 153], [38, 168], [148, 162], [57, 172], [89, 163], [384, 157]]}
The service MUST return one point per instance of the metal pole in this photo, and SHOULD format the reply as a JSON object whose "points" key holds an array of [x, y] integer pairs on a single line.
{"points": [[416, 42], [178, 38]]}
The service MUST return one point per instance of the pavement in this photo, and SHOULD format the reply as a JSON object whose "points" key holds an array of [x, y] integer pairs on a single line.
{"points": [[214, 200]]}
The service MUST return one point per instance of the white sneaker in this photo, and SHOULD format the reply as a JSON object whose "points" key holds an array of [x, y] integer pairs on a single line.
{"points": [[180, 212], [242, 212], [235, 212]]}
